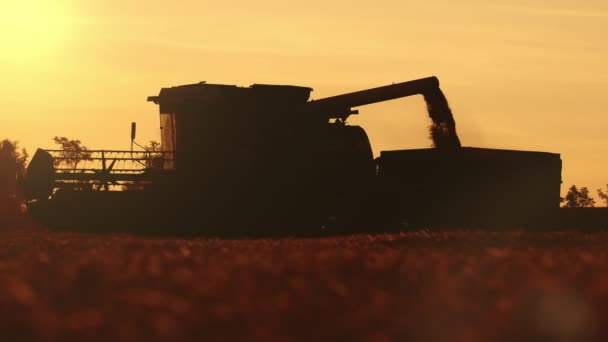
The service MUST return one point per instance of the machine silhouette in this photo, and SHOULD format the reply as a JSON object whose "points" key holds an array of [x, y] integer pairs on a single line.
{"points": [[265, 158]]}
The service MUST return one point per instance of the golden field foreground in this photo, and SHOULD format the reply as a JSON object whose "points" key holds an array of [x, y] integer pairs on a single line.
{"points": [[413, 286]]}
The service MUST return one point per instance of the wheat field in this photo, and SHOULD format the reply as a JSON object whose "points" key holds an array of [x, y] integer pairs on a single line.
{"points": [[412, 286]]}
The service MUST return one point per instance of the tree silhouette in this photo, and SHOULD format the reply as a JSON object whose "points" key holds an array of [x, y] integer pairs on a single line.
{"points": [[155, 160], [10, 150], [12, 166], [603, 195], [152, 146], [73, 152], [576, 198]]}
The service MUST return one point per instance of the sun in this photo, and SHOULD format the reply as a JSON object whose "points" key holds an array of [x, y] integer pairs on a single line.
{"points": [[31, 28]]}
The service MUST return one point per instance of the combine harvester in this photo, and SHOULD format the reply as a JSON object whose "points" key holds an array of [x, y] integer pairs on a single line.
{"points": [[264, 158]]}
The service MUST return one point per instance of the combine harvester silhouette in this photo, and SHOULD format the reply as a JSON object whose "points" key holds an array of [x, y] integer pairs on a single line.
{"points": [[266, 159]]}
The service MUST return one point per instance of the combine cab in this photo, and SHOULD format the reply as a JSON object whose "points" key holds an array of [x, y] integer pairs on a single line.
{"points": [[264, 157]]}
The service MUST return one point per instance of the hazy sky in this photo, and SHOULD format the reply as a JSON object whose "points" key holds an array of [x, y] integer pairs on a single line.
{"points": [[528, 75]]}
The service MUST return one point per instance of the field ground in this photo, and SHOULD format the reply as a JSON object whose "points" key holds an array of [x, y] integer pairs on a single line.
{"points": [[413, 286]]}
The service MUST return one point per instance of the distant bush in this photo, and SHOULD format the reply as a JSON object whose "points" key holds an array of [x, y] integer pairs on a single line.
{"points": [[578, 198], [603, 195], [73, 152], [155, 160], [13, 162]]}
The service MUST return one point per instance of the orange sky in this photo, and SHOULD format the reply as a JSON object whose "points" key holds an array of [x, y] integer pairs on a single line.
{"points": [[529, 75]]}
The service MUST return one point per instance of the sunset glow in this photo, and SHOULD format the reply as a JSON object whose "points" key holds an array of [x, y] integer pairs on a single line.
{"points": [[32, 28], [518, 74]]}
